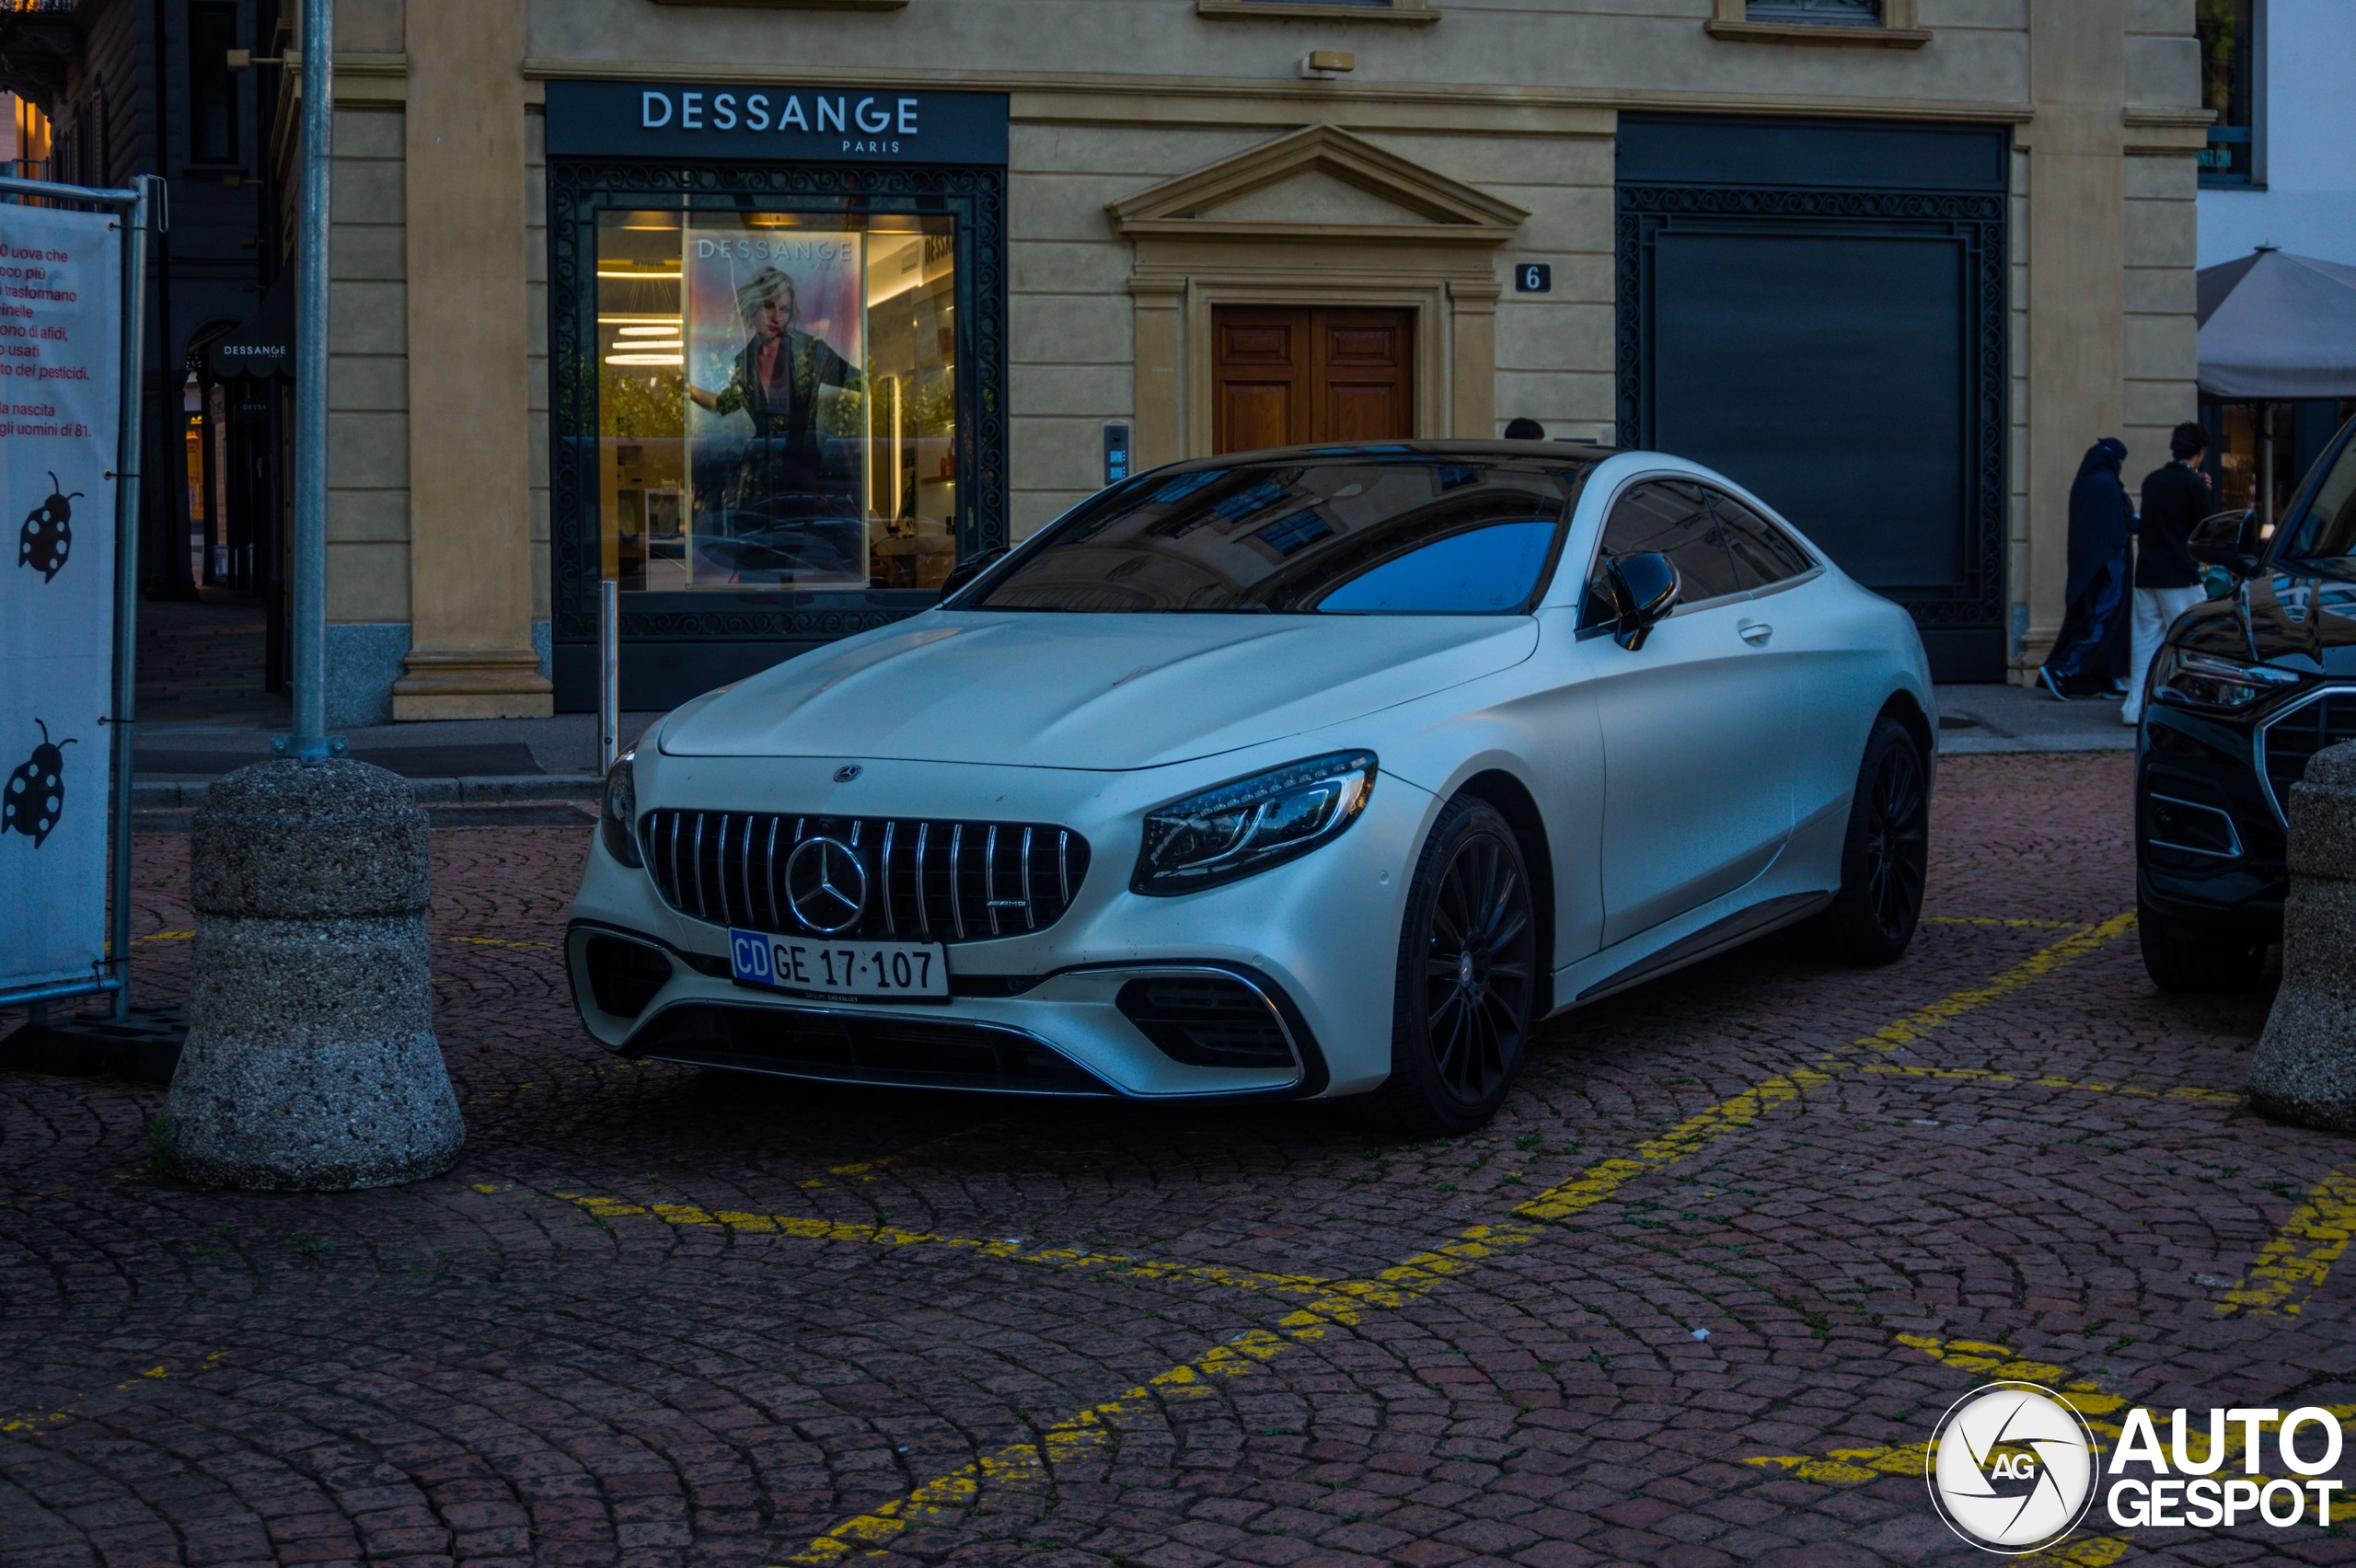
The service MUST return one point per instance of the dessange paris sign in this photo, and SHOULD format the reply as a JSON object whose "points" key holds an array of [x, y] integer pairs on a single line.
{"points": [[792, 124]]}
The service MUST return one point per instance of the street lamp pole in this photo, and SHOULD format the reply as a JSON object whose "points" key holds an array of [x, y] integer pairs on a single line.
{"points": [[307, 625]]}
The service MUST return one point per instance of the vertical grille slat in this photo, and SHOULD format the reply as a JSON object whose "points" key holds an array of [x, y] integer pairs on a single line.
{"points": [[768, 877], [720, 871], [1030, 910], [924, 921], [712, 866], [956, 893], [989, 877], [744, 864]]}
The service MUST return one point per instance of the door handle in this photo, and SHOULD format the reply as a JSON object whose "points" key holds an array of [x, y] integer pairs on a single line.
{"points": [[1756, 633]]}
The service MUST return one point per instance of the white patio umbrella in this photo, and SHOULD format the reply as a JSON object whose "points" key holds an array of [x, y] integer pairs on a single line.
{"points": [[2275, 327]]}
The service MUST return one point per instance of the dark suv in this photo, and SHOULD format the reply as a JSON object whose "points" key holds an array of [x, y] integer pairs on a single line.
{"points": [[2246, 689]]}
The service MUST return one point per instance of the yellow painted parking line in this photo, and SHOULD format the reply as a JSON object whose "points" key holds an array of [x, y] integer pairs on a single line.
{"points": [[2097, 1551], [865, 1169], [165, 937], [44, 1419], [2292, 1266], [807, 1227], [1913, 1026], [1995, 1363], [1694, 1134], [951, 1497], [1992, 921], [1983, 1075]]}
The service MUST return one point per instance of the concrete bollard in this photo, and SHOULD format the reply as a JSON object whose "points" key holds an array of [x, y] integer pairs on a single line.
{"points": [[2306, 1068], [311, 1064]]}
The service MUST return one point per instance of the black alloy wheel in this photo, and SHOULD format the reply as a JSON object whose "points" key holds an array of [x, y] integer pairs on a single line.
{"points": [[1885, 860], [1468, 970], [1897, 842]]}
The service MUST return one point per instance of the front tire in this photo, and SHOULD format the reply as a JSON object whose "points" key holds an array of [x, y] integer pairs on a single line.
{"points": [[1884, 858], [1467, 979], [2195, 961]]}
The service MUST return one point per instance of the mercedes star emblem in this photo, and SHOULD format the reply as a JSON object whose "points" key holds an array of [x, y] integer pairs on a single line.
{"points": [[846, 773], [825, 885]]}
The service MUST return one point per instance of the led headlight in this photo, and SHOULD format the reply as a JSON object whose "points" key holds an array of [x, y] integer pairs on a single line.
{"points": [[2204, 680], [618, 821], [1250, 824]]}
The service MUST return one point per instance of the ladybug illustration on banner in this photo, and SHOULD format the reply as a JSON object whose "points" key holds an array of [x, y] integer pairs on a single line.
{"points": [[36, 792], [47, 537]]}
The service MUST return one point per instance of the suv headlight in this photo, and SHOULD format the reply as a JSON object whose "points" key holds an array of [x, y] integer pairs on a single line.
{"points": [[2204, 680], [1249, 824], [617, 820]]}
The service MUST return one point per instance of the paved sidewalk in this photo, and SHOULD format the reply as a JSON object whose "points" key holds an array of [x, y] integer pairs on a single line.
{"points": [[472, 760], [1694, 1300], [1995, 717]]}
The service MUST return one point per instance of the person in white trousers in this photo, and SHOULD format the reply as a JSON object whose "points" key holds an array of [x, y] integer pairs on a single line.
{"points": [[2167, 580]]}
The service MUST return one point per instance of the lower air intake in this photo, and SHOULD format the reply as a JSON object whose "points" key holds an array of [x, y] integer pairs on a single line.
{"points": [[1210, 1020], [845, 1047]]}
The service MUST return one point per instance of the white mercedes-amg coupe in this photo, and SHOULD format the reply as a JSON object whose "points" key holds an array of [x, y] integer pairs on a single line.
{"points": [[1319, 773]]}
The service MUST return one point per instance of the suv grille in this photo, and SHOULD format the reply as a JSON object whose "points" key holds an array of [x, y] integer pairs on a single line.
{"points": [[933, 881], [2288, 742]]}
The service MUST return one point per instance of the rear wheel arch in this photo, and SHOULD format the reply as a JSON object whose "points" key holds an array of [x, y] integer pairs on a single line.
{"points": [[1511, 799]]}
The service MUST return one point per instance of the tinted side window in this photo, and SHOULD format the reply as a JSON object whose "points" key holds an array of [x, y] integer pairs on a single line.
{"points": [[1763, 552], [1674, 519]]}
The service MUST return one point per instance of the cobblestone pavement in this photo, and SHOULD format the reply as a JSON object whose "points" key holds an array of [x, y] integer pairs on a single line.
{"points": [[1697, 1298]]}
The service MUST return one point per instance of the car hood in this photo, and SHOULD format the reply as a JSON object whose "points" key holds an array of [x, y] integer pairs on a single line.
{"points": [[1099, 692], [2299, 620]]}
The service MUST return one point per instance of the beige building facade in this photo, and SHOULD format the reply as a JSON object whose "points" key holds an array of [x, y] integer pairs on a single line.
{"points": [[777, 365]]}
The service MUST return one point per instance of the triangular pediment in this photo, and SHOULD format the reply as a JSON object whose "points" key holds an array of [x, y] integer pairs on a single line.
{"points": [[1319, 182]]}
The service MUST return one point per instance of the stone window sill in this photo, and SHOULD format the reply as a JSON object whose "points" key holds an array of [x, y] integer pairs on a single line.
{"points": [[1805, 32], [1414, 12]]}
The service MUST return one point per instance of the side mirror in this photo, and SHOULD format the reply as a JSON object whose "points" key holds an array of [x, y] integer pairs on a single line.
{"points": [[1644, 586], [2228, 539], [965, 571]]}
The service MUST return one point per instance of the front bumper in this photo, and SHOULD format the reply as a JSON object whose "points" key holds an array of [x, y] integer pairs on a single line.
{"points": [[2209, 845], [1317, 938]]}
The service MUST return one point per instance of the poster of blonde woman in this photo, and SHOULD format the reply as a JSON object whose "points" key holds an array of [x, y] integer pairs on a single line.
{"points": [[777, 449]]}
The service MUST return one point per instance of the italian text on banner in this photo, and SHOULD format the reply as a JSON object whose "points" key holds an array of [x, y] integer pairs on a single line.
{"points": [[61, 325]]}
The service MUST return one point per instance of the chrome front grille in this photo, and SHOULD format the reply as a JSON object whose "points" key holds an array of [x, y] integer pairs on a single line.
{"points": [[2290, 740], [931, 881]]}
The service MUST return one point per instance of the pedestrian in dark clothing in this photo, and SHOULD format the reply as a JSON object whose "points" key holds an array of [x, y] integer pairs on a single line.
{"points": [[2100, 524], [2167, 581], [1525, 430]]}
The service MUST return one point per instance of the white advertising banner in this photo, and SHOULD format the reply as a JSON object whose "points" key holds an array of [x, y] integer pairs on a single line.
{"points": [[60, 324]]}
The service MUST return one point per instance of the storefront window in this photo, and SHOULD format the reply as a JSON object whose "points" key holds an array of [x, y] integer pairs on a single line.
{"points": [[2228, 47], [777, 397]]}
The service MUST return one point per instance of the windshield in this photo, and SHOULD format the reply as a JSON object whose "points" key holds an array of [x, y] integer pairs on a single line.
{"points": [[2327, 532], [1354, 535]]}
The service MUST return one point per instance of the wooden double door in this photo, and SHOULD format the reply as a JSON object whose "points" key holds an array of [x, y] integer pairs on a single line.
{"points": [[1291, 376]]}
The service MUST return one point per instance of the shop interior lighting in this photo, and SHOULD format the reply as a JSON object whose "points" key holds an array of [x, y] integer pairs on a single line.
{"points": [[650, 331], [646, 359]]}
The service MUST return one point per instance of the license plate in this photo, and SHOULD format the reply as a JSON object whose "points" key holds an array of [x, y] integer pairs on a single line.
{"points": [[819, 967]]}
